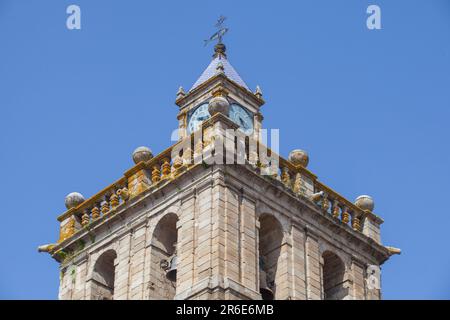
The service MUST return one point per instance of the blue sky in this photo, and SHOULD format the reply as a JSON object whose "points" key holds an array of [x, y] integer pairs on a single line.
{"points": [[372, 108]]}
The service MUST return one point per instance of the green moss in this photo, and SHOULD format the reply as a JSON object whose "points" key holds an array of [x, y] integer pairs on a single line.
{"points": [[62, 255], [80, 245]]}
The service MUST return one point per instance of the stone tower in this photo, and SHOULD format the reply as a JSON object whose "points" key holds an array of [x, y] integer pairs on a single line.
{"points": [[194, 222]]}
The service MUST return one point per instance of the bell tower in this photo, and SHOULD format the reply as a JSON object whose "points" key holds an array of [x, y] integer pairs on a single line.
{"points": [[174, 228]]}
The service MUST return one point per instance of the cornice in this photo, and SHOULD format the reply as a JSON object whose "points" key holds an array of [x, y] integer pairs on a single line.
{"points": [[205, 88]]}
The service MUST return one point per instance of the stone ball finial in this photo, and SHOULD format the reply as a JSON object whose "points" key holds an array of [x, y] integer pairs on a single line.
{"points": [[365, 202], [73, 200], [219, 104], [299, 157], [142, 154], [219, 49]]}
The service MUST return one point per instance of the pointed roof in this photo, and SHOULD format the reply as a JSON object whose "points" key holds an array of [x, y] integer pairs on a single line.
{"points": [[220, 64]]}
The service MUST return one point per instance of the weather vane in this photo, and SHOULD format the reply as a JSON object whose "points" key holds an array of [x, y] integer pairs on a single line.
{"points": [[221, 30]]}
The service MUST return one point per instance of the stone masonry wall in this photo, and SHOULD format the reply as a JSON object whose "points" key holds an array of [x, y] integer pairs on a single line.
{"points": [[218, 233]]}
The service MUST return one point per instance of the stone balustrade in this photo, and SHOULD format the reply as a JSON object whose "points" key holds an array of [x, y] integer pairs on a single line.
{"points": [[141, 177], [304, 183], [337, 206], [180, 157], [97, 207]]}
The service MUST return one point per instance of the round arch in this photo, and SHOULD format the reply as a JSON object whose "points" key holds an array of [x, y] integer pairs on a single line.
{"points": [[163, 256], [333, 276], [271, 237], [103, 276]]}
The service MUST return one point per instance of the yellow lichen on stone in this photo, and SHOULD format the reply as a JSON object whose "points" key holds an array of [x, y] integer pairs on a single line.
{"points": [[67, 229]]}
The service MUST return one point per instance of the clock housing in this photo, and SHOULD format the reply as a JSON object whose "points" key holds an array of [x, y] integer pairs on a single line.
{"points": [[238, 114]]}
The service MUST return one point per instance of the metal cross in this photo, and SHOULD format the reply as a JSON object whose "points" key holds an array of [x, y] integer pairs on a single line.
{"points": [[220, 32]]}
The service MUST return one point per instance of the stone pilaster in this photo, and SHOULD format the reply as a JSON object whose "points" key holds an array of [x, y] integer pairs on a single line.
{"points": [[313, 273], [233, 235], [187, 232], [137, 264], [182, 125], [122, 268], [249, 265], [358, 280], [284, 285], [81, 267], [371, 226], [257, 121], [67, 282], [373, 282], [139, 179], [298, 264]]}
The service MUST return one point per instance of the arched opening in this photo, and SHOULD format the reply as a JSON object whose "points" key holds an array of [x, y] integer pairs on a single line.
{"points": [[333, 272], [103, 276], [164, 258], [270, 240]]}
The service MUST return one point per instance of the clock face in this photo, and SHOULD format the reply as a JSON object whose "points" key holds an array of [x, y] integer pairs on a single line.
{"points": [[238, 115], [242, 117], [197, 117]]}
